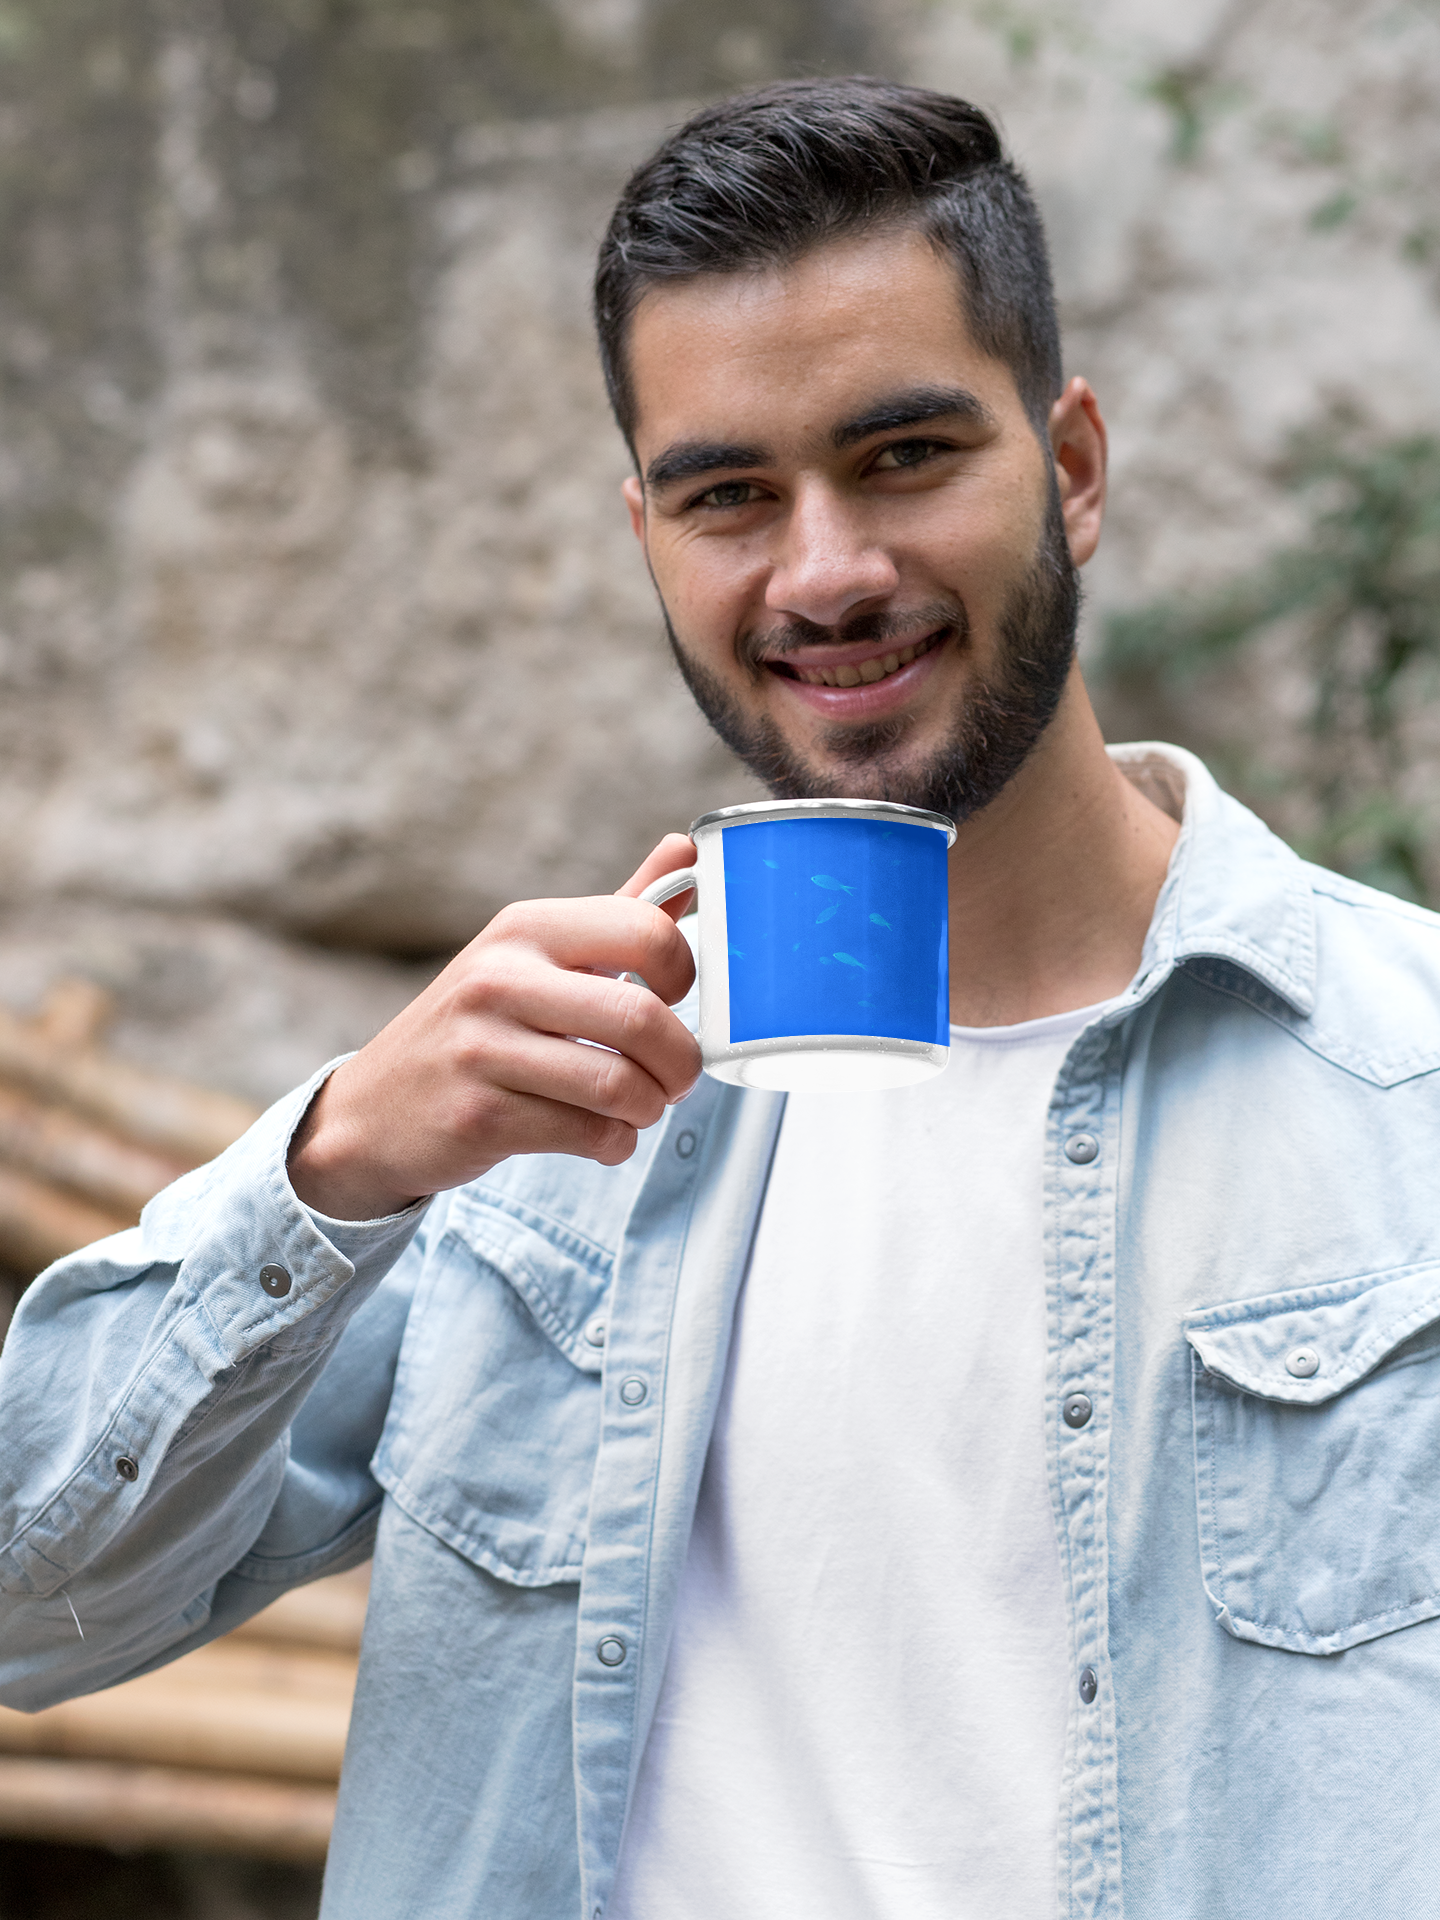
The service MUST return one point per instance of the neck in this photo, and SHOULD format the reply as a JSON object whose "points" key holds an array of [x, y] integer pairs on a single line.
{"points": [[1052, 886]]}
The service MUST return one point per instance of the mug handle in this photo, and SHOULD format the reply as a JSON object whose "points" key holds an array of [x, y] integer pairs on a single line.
{"points": [[687, 880]]}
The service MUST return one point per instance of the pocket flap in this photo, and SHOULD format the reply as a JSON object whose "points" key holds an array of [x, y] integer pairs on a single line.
{"points": [[563, 1278], [1348, 1327]]}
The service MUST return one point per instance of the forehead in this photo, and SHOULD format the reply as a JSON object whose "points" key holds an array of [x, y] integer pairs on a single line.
{"points": [[803, 345]]}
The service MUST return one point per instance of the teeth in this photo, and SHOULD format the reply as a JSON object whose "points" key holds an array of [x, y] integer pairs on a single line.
{"points": [[867, 673]]}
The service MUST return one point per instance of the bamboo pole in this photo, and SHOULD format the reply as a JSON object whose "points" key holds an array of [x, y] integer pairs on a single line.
{"points": [[96, 1803], [192, 1124], [258, 1702], [158, 1761], [253, 1667], [328, 1613], [40, 1223], [171, 1718], [74, 1012], [56, 1147]]}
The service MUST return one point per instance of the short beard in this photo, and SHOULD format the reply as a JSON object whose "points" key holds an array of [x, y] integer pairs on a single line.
{"points": [[1002, 719]]}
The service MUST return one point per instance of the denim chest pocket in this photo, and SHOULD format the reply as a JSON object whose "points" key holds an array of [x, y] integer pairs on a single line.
{"points": [[491, 1436], [1317, 1444]]}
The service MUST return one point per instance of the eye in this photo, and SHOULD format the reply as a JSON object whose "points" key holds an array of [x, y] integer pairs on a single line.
{"points": [[901, 454], [729, 493]]}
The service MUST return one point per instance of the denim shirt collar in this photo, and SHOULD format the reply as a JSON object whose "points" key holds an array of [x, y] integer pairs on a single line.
{"points": [[1234, 891]]}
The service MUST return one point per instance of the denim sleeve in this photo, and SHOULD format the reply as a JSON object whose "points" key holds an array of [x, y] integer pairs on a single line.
{"points": [[181, 1443]]}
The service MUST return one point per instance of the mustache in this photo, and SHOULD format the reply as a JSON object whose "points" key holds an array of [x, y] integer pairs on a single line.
{"points": [[903, 626]]}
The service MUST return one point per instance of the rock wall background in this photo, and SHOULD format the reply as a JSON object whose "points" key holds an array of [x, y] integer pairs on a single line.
{"points": [[321, 630]]}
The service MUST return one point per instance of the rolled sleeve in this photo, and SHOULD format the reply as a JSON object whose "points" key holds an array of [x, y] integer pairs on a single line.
{"points": [[149, 1385], [371, 1246]]}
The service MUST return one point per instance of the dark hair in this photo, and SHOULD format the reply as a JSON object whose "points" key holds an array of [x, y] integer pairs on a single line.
{"points": [[760, 179]]}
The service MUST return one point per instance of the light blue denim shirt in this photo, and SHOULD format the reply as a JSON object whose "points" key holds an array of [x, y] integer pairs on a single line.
{"points": [[1242, 1180]]}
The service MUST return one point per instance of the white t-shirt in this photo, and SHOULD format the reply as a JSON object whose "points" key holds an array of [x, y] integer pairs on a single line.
{"points": [[863, 1711]]}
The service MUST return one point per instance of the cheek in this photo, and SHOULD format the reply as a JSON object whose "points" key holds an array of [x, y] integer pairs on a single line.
{"points": [[982, 554], [708, 586]]}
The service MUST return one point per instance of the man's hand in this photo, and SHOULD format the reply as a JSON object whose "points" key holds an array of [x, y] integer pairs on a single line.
{"points": [[487, 1062]]}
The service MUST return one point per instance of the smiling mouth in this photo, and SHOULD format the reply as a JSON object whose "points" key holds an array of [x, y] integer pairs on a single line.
{"points": [[866, 674]]}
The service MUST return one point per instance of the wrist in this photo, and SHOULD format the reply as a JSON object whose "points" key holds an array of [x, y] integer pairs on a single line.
{"points": [[331, 1171]]}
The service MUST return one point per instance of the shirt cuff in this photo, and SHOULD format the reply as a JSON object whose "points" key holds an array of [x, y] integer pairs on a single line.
{"points": [[371, 1246]]}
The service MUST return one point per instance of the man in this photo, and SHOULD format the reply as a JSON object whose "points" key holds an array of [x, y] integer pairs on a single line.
{"points": [[1006, 1496]]}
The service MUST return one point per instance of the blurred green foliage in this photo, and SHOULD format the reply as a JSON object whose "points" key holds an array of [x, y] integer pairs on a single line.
{"points": [[1355, 608]]}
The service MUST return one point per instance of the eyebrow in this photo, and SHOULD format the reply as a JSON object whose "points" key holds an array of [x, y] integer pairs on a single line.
{"points": [[916, 407], [688, 459]]}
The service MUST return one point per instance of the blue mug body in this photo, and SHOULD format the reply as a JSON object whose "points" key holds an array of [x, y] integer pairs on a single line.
{"points": [[823, 942]]}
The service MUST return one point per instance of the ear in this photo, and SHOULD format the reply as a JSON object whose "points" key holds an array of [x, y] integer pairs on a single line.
{"points": [[635, 500], [1080, 446]]}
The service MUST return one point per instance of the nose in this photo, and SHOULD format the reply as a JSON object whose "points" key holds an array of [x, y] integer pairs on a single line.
{"points": [[827, 564]]}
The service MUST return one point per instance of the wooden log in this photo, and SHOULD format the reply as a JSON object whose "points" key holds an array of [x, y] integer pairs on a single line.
{"points": [[328, 1613], [74, 1012], [190, 1124], [162, 1721], [97, 1803], [39, 1223], [56, 1147], [233, 1665]]}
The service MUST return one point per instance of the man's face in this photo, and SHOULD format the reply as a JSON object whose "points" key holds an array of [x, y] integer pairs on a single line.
{"points": [[853, 528]]}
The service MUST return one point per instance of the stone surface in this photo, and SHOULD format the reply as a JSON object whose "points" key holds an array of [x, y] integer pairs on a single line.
{"points": [[318, 608], [1241, 206], [372, 700]]}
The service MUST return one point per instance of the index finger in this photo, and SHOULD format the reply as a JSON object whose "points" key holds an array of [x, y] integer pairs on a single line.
{"points": [[675, 851]]}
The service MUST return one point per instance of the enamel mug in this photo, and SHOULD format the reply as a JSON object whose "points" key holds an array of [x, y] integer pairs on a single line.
{"points": [[823, 948]]}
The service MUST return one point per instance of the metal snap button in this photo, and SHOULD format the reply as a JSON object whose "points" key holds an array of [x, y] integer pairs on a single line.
{"points": [[127, 1468], [685, 1144], [1077, 1409], [276, 1281], [633, 1390], [1089, 1685], [1082, 1148], [1302, 1362], [595, 1333], [610, 1652]]}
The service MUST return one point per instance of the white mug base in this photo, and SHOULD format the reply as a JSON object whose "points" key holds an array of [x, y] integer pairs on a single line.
{"points": [[828, 1063]]}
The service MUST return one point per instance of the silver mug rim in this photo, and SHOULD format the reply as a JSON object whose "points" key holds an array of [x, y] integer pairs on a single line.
{"points": [[836, 809]]}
